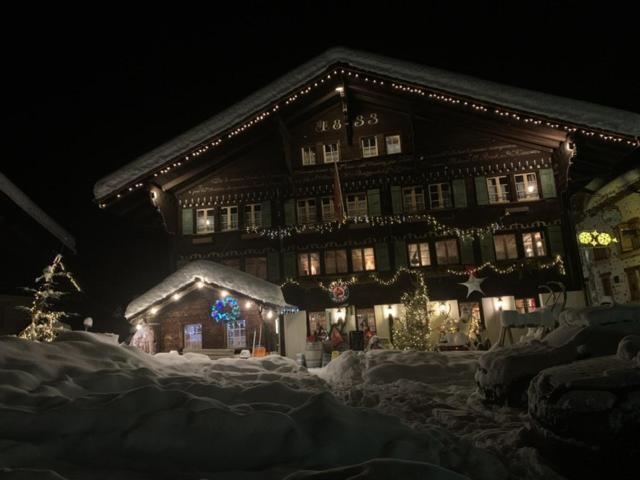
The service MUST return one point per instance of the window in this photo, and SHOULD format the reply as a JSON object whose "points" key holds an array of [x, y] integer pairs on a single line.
{"points": [[335, 261], [231, 262], [629, 236], [228, 218], [357, 204], [419, 255], [308, 156], [204, 218], [369, 147], [309, 263], [505, 246], [363, 259], [534, 244], [525, 305], [328, 211], [413, 199], [633, 280], [498, 189], [440, 195], [526, 186], [237, 334], [307, 210], [317, 321], [366, 321], [331, 152], [193, 336], [393, 144], [601, 253], [605, 279], [253, 215], [256, 266], [447, 251]]}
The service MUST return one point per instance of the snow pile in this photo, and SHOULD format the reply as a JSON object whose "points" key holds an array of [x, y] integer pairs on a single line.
{"points": [[601, 315], [83, 405]]}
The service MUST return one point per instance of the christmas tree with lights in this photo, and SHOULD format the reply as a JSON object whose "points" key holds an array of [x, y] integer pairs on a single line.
{"points": [[412, 331], [45, 321]]}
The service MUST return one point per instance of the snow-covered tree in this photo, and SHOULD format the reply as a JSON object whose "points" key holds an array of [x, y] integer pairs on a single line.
{"points": [[45, 321]]}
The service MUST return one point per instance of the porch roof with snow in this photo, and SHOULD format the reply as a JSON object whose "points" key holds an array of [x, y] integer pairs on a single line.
{"points": [[212, 274], [560, 109]]}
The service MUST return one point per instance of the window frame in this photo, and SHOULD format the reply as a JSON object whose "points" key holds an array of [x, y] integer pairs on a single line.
{"points": [[358, 204], [229, 218], [414, 207], [386, 143], [505, 245], [308, 256], [262, 265], [331, 217], [363, 258], [334, 262], [445, 200], [307, 210], [498, 193], [369, 151], [252, 216], [525, 195], [308, 156], [335, 153], [422, 247], [446, 242], [534, 246], [213, 220]]}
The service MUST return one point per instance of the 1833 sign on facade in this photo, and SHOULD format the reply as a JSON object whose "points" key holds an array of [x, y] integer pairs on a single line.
{"points": [[336, 124]]}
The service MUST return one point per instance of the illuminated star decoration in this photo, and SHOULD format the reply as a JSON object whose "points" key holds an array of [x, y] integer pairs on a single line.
{"points": [[473, 284]]}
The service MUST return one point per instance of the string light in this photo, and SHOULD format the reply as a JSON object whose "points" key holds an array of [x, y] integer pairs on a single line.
{"points": [[378, 81], [556, 262]]}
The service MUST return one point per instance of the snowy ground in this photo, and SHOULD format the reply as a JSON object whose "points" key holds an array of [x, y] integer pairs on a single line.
{"points": [[85, 408]]}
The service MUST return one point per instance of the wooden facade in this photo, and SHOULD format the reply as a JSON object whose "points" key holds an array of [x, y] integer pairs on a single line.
{"points": [[411, 166]]}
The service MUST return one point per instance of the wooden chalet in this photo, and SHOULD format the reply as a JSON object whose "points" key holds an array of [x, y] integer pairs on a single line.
{"points": [[439, 173]]}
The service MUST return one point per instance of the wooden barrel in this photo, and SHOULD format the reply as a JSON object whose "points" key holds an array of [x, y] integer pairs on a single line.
{"points": [[313, 354]]}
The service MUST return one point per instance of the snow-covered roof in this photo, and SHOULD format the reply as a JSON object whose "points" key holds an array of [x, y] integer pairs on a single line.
{"points": [[211, 273], [551, 106], [26, 204]]}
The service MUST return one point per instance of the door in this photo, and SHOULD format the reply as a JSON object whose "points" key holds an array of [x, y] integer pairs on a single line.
{"points": [[193, 336]]}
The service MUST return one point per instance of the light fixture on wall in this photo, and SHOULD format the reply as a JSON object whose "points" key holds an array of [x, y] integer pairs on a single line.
{"points": [[224, 293], [176, 296], [247, 304], [199, 284], [444, 308], [139, 326], [269, 314], [154, 310], [499, 303]]}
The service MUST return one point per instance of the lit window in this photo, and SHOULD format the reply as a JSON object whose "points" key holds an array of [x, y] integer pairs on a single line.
{"points": [[318, 322], [534, 244], [498, 189], [331, 152], [253, 215], [440, 195], [192, 336], [369, 147], [307, 210], [357, 204], [525, 305], [393, 144], [419, 255], [335, 261], [236, 334], [256, 266], [413, 199], [205, 220], [505, 246], [308, 156], [447, 251], [328, 210], [228, 218], [309, 263], [629, 236], [526, 186], [363, 259]]}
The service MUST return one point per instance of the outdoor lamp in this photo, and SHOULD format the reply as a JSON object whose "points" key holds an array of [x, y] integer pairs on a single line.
{"points": [[499, 303]]}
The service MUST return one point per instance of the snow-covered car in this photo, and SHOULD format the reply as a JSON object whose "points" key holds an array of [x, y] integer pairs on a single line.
{"points": [[504, 373], [588, 412]]}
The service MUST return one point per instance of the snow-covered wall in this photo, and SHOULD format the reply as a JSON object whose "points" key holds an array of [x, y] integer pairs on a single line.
{"points": [[295, 333]]}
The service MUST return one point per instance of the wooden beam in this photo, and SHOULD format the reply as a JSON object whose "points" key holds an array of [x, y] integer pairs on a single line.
{"points": [[285, 136]]}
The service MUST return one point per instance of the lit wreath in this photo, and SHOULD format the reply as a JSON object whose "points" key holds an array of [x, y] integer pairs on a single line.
{"points": [[225, 310]]}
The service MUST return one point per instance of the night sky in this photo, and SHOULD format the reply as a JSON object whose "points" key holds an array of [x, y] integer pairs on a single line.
{"points": [[86, 96]]}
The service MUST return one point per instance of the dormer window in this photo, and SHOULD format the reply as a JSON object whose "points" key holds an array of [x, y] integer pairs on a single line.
{"points": [[308, 156], [393, 144], [331, 152], [369, 147]]}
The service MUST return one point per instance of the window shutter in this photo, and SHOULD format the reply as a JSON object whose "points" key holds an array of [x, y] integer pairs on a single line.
{"points": [[265, 208], [187, 221], [466, 251], [459, 193], [548, 182], [289, 261], [396, 199], [487, 250], [382, 256], [373, 202], [554, 235], [482, 192], [273, 266], [290, 212], [400, 252]]}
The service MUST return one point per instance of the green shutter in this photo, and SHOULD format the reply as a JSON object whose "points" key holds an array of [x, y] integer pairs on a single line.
{"points": [[482, 192], [382, 256], [289, 261], [396, 199], [466, 251], [548, 182], [273, 266], [459, 193], [187, 221], [373, 202], [554, 235], [290, 212], [487, 250], [400, 253], [265, 208]]}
